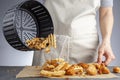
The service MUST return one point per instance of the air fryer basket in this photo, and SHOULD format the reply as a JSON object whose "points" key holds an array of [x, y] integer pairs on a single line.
{"points": [[25, 21]]}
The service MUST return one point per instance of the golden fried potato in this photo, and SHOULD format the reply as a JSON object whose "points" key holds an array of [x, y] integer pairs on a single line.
{"points": [[103, 69], [65, 67], [70, 70], [60, 59], [59, 66], [74, 70], [97, 65], [84, 65], [47, 49], [48, 67], [42, 43], [54, 62], [91, 70], [116, 69], [52, 74]]}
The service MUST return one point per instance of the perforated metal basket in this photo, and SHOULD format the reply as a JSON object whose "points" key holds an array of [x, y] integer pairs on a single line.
{"points": [[24, 21]]}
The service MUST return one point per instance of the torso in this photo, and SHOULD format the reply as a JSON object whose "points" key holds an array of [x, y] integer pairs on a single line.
{"points": [[76, 19]]}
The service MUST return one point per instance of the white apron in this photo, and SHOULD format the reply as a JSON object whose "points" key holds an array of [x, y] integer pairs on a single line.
{"points": [[76, 19]]}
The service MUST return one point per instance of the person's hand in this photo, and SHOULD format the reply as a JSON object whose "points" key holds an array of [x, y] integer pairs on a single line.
{"points": [[106, 51]]}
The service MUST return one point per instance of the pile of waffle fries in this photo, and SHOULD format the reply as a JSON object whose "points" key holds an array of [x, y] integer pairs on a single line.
{"points": [[58, 68], [42, 43]]}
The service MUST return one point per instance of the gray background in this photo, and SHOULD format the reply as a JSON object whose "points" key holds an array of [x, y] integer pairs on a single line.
{"points": [[11, 57]]}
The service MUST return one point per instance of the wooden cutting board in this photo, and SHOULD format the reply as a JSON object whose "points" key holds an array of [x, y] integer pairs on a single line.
{"points": [[33, 71]]}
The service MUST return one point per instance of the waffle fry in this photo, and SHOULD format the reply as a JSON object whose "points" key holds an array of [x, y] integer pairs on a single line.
{"points": [[51, 74], [74, 70], [58, 67], [65, 67], [53, 68]]}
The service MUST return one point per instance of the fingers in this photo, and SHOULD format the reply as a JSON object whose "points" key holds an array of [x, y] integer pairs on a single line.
{"points": [[108, 59], [106, 51], [100, 55]]}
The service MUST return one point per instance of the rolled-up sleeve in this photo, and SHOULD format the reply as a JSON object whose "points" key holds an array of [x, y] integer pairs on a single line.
{"points": [[106, 3]]}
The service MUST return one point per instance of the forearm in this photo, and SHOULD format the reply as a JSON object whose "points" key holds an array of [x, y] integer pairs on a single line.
{"points": [[106, 23]]}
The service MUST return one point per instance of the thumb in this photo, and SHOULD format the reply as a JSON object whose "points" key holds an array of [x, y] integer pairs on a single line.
{"points": [[100, 55]]}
